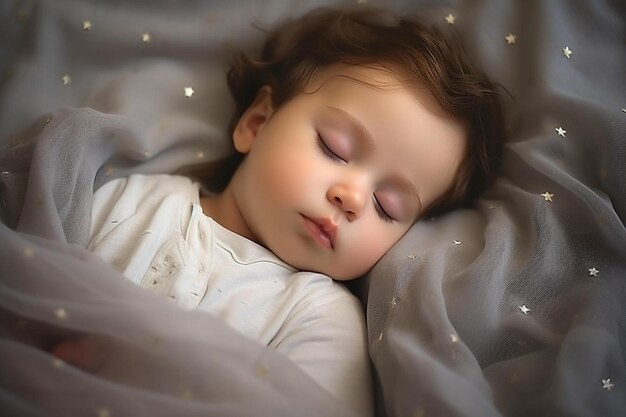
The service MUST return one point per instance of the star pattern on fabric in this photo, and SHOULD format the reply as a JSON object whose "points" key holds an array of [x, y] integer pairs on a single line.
{"points": [[411, 256], [511, 39], [67, 79], [261, 371], [524, 309], [623, 110], [593, 272], [560, 131], [607, 385], [457, 242], [189, 91], [186, 394], [450, 19], [393, 302], [145, 37], [454, 338], [86, 25], [547, 196], [21, 15], [57, 363], [5, 173], [420, 412], [567, 52], [103, 412], [155, 341], [61, 314], [380, 336]]}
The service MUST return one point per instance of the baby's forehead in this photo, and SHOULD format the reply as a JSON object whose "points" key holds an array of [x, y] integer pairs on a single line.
{"points": [[373, 75], [375, 78]]}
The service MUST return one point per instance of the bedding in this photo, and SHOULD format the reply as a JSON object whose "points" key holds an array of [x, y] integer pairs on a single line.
{"points": [[513, 308]]}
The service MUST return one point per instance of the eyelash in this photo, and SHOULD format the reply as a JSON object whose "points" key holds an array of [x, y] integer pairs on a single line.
{"points": [[326, 151], [381, 211]]}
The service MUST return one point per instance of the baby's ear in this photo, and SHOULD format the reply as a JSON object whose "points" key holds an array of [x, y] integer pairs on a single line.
{"points": [[253, 120]]}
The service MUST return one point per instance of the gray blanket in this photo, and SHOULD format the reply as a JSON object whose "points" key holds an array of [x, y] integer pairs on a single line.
{"points": [[513, 308]]}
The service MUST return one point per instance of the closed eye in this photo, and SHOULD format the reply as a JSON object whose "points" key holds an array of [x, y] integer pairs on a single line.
{"points": [[381, 211], [326, 151]]}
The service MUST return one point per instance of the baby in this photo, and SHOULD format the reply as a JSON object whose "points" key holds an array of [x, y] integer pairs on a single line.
{"points": [[349, 127]]}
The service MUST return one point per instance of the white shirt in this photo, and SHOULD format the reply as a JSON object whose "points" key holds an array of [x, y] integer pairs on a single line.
{"points": [[152, 229]]}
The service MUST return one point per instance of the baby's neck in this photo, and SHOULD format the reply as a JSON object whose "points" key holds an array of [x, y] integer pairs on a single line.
{"points": [[224, 210]]}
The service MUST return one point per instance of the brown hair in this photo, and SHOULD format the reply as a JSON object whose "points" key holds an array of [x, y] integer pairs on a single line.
{"points": [[420, 55]]}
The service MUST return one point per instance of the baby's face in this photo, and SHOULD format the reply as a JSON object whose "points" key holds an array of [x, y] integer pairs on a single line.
{"points": [[333, 179]]}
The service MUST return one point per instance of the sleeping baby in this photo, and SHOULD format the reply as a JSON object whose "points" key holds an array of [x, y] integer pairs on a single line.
{"points": [[349, 127]]}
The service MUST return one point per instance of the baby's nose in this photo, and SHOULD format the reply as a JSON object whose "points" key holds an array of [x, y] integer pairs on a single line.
{"points": [[349, 199]]}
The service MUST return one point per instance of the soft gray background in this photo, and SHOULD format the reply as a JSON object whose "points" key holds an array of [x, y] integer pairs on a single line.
{"points": [[447, 336]]}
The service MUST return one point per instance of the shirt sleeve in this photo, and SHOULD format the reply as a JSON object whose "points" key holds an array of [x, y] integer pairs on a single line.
{"points": [[327, 337]]}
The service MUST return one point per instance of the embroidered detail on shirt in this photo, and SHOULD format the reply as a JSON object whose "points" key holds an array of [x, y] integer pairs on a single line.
{"points": [[175, 274], [164, 268]]}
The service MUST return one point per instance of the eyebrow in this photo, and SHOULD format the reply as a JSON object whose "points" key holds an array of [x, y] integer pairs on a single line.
{"points": [[366, 137]]}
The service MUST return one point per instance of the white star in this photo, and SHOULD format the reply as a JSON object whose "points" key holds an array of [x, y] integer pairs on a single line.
{"points": [[261, 371], [567, 52], [457, 242], [593, 272], [189, 91], [547, 196], [66, 79], [561, 131], [624, 110], [380, 337], [393, 302], [450, 19], [145, 37], [454, 338], [524, 309], [510, 39], [411, 256], [86, 25], [103, 412], [61, 314], [606, 384]]}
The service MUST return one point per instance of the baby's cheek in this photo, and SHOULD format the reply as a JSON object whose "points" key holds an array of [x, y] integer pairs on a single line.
{"points": [[367, 252], [288, 178]]}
